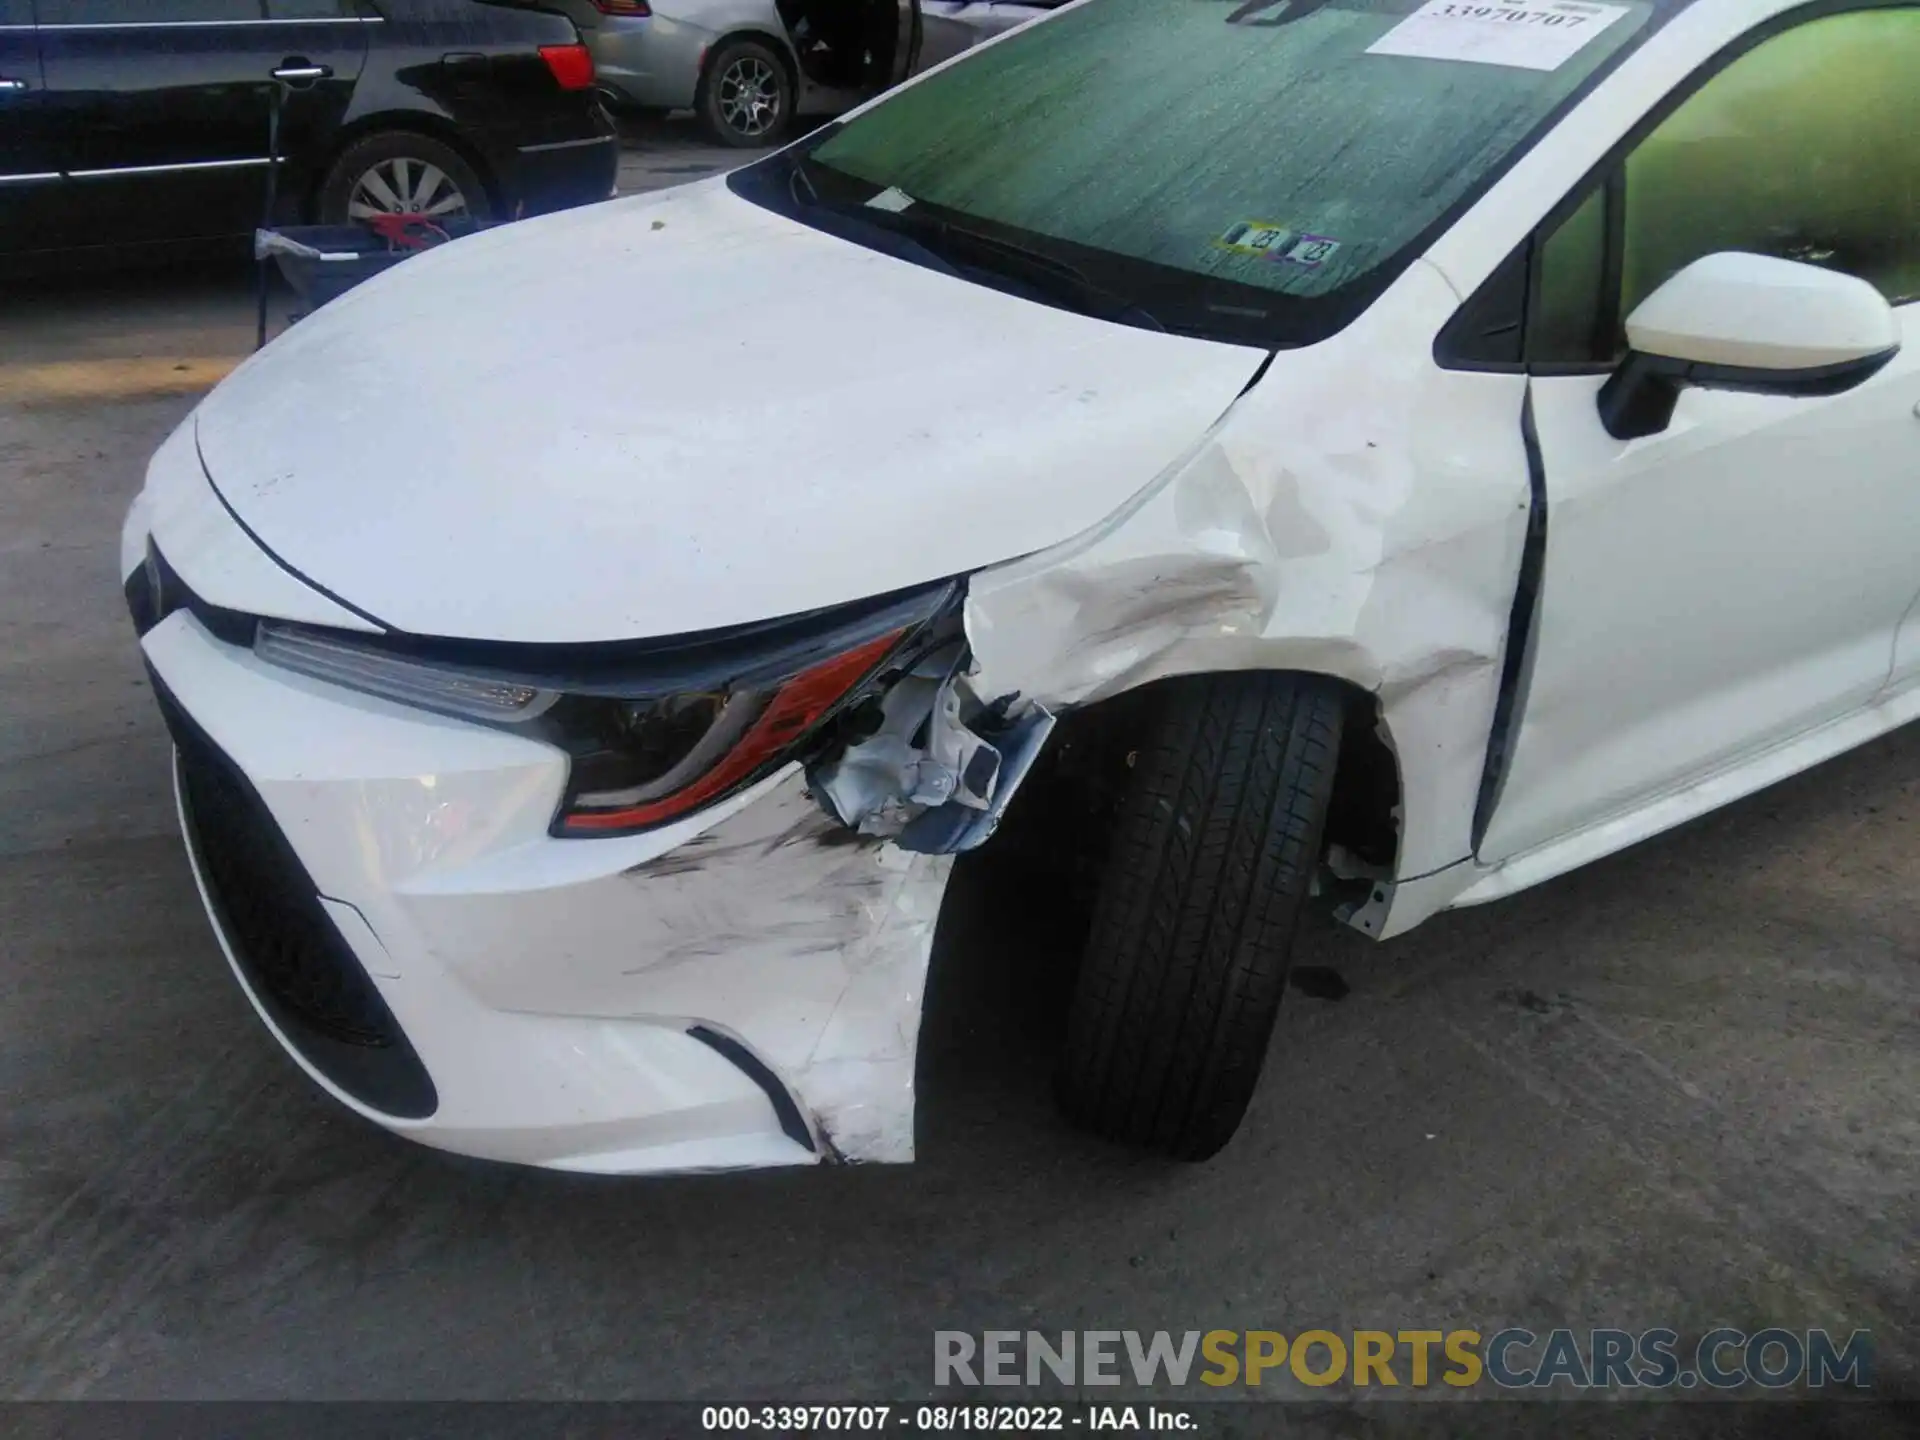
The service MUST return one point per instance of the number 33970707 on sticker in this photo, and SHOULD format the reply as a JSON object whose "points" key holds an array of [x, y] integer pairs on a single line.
{"points": [[1523, 34]]}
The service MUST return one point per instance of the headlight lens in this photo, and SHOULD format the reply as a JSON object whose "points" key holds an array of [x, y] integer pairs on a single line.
{"points": [[646, 747], [700, 748], [396, 677]]}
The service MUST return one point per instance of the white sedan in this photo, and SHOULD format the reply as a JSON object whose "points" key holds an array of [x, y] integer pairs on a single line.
{"points": [[1382, 451]]}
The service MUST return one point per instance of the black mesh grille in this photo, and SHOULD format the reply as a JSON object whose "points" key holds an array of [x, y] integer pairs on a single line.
{"points": [[299, 964]]}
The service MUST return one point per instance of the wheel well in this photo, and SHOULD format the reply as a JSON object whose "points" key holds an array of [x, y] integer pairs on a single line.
{"points": [[1364, 815], [431, 126], [1065, 807], [773, 42]]}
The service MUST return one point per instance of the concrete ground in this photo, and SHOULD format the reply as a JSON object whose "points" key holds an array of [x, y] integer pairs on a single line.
{"points": [[1675, 1089]]}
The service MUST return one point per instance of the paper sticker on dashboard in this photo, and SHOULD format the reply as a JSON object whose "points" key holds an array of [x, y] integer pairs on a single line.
{"points": [[1523, 34]]}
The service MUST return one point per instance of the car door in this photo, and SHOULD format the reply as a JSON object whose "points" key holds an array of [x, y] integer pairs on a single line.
{"points": [[1737, 579], [165, 104], [953, 26], [29, 166]]}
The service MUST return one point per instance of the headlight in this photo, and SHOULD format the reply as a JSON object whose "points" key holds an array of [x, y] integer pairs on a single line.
{"points": [[653, 730], [394, 677]]}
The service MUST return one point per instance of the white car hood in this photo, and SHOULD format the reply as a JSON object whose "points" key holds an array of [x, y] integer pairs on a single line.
{"points": [[681, 412]]}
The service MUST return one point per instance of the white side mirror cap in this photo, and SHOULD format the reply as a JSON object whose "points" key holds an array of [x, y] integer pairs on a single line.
{"points": [[1755, 313]]}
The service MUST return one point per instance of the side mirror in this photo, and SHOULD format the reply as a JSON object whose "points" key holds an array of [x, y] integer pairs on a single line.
{"points": [[1746, 322]]}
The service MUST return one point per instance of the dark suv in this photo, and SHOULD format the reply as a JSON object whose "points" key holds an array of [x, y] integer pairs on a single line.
{"points": [[148, 121]]}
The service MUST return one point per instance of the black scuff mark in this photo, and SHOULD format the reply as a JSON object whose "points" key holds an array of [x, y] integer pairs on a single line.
{"points": [[830, 1153], [698, 853], [841, 838]]}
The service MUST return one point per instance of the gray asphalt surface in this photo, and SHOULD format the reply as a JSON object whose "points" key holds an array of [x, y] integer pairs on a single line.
{"points": [[1675, 1089]]}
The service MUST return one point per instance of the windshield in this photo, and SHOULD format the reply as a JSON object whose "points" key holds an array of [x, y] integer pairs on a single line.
{"points": [[1254, 171]]}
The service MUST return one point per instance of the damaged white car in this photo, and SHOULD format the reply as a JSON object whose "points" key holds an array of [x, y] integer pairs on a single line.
{"points": [[1393, 450]]}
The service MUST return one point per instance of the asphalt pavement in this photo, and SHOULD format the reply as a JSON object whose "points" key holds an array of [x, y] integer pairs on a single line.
{"points": [[1677, 1088]]}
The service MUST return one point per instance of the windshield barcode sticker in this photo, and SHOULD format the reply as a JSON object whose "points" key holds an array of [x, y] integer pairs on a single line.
{"points": [[1524, 34]]}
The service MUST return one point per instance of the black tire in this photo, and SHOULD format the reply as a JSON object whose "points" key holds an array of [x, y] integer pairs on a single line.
{"points": [[1213, 853], [333, 202], [738, 63]]}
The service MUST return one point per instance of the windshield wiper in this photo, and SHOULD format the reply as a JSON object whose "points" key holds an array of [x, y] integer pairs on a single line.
{"points": [[1052, 273], [941, 238]]}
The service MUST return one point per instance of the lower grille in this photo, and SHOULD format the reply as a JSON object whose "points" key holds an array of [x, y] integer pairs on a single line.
{"points": [[294, 957], [290, 944]]}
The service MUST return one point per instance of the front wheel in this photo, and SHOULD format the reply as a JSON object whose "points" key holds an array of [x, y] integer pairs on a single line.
{"points": [[1213, 853], [746, 96], [401, 173]]}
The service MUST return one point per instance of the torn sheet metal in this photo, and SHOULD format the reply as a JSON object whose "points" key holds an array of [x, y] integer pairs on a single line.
{"points": [[1359, 513]]}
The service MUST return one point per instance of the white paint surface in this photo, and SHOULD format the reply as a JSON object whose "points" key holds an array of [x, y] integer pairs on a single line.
{"points": [[1358, 514], [1753, 312], [547, 985], [1711, 592], [771, 420], [179, 510], [680, 412]]}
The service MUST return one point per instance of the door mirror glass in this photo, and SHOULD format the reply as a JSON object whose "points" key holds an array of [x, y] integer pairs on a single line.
{"points": [[1746, 322]]}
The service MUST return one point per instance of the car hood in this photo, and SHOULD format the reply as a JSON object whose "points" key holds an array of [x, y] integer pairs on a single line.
{"points": [[683, 412]]}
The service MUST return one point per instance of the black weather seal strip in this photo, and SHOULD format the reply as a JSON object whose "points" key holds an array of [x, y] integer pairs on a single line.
{"points": [[1516, 667], [792, 1123], [268, 551], [1639, 398], [1260, 373]]}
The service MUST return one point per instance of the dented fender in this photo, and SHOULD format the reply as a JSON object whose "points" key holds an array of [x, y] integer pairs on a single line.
{"points": [[1358, 513]]}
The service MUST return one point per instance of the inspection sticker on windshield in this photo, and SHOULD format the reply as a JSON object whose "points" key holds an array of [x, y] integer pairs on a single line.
{"points": [[1264, 241], [1524, 34]]}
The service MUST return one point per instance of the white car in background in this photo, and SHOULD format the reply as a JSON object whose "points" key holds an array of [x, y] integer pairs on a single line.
{"points": [[1476, 439], [748, 68]]}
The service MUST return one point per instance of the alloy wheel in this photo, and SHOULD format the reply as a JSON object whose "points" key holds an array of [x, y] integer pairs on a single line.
{"points": [[749, 93], [405, 185]]}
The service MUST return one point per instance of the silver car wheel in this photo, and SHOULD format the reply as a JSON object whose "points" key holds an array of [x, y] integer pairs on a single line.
{"points": [[749, 94], [406, 186]]}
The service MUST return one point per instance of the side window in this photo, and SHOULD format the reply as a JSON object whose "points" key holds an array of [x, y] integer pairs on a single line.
{"points": [[1569, 315], [1803, 148], [151, 12]]}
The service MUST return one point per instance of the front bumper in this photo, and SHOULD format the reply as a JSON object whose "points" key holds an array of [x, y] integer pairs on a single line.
{"points": [[742, 989]]}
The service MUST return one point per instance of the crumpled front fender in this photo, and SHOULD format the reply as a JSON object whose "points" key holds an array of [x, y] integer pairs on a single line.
{"points": [[1360, 513]]}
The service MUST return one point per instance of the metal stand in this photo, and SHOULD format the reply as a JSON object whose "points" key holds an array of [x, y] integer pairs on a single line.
{"points": [[262, 269]]}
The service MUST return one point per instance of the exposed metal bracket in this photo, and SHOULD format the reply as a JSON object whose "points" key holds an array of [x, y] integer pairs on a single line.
{"points": [[928, 778]]}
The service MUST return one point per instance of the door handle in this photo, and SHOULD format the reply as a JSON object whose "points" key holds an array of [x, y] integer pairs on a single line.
{"points": [[292, 70]]}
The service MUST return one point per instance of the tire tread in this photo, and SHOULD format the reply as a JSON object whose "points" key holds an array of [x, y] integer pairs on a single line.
{"points": [[1213, 853]]}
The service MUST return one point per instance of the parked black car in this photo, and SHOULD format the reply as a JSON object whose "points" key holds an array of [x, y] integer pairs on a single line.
{"points": [[146, 121]]}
